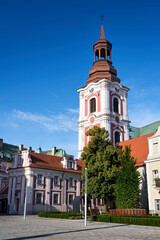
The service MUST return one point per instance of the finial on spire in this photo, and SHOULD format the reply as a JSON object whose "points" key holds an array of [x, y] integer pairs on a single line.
{"points": [[101, 18]]}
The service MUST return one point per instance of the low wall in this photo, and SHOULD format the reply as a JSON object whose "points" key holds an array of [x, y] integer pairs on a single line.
{"points": [[130, 212]]}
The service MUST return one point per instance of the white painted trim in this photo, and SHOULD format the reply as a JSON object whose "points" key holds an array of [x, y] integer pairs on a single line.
{"points": [[119, 105], [152, 160], [58, 193], [68, 198], [148, 187], [116, 130], [89, 113], [42, 195]]}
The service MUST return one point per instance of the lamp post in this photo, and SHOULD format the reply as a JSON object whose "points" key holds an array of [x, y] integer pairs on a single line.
{"points": [[85, 197], [25, 202]]}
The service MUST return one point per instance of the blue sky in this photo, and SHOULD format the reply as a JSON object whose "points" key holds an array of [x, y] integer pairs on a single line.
{"points": [[46, 51]]}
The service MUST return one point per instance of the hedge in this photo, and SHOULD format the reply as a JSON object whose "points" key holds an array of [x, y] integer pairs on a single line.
{"points": [[139, 220], [64, 215]]}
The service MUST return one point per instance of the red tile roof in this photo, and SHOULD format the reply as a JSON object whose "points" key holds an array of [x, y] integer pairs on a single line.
{"points": [[139, 148], [52, 162]]}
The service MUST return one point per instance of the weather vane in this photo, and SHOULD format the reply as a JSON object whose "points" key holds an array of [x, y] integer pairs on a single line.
{"points": [[102, 18]]}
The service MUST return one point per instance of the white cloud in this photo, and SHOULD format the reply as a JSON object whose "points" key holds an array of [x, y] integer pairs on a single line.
{"points": [[143, 114], [14, 125], [59, 122], [72, 110]]}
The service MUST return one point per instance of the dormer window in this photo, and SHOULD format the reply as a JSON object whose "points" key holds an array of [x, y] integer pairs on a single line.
{"points": [[70, 164], [115, 105], [92, 105], [19, 160]]}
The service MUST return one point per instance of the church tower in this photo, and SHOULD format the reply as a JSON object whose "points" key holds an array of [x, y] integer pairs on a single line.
{"points": [[103, 100]]}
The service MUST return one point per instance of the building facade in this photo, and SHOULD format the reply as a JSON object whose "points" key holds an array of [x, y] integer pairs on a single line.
{"points": [[6, 158], [103, 101], [49, 183], [153, 172]]}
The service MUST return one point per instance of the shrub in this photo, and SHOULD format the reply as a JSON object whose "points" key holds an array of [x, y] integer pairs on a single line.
{"points": [[63, 215], [136, 220]]}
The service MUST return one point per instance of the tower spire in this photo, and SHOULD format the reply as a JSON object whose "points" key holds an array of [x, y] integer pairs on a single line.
{"points": [[102, 36]]}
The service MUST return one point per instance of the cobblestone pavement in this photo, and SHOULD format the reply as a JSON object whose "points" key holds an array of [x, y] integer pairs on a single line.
{"points": [[15, 227]]}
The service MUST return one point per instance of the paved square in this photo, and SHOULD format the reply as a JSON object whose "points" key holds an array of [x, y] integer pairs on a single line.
{"points": [[15, 227]]}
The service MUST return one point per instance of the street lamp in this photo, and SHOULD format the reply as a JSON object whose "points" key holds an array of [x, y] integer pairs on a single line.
{"points": [[85, 197]]}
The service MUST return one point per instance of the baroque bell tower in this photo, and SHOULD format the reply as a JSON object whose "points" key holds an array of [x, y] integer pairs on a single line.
{"points": [[103, 100]]}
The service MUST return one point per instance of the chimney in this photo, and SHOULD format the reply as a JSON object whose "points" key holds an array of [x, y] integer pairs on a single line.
{"points": [[1, 142], [29, 148], [63, 153], [20, 147], [53, 151]]}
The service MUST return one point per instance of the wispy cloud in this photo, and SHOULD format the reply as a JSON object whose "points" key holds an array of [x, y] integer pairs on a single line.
{"points": [[59, 122], [72, 110], [143, 114]]}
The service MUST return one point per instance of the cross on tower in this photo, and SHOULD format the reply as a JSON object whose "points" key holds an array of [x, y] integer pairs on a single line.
{"points": [[102, 18]]}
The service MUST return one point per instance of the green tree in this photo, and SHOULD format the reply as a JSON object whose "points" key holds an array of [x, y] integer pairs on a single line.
{"points": [[101, 160], [128, 180]]}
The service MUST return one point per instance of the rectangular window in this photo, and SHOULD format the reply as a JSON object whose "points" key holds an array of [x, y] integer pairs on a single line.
{"points": [[70, 199], [99, 201], [39, 198], [19, 160], [157, 203], [155, 174], [18, 182], [70, 164], [71, 182], [55, 198], [56, 180], [39, 181], [155, 147]]}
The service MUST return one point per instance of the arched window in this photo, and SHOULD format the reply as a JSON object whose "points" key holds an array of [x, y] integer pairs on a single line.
{"points": [[102, 53], [97, 55], [117, 137], [92, 105], [115, 105]]}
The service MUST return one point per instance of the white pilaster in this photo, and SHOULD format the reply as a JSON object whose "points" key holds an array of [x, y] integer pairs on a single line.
{"points": [[108, 99], [80, 140], [78, 188], [81, 106], [22, 191], [47, 194], [13, 189], [9, 191], [104, 98], [125, 108]]}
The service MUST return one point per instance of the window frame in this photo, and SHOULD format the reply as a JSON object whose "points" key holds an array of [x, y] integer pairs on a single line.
{"points": [[70, 202], [71, 182], [58, 202], [41, 198], [90, 105], [71, 164], [40, 179], [115, 97], [157, 204], [56, 180]]}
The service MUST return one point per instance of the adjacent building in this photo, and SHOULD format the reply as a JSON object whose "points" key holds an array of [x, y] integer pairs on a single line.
{"points": [[49, 183], [6, 157]]}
